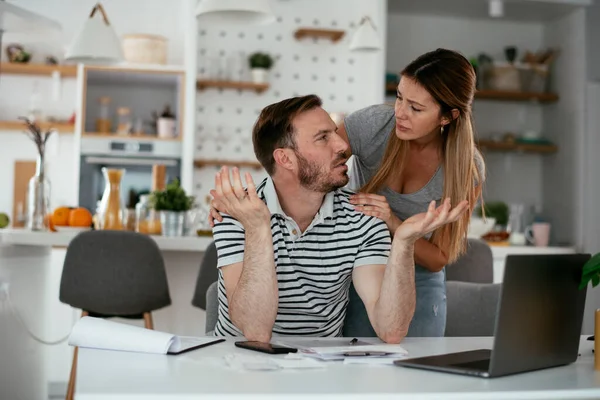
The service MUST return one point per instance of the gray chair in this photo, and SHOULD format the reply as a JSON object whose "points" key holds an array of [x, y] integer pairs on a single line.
{"points": [[476, 265], [113, 274], [207, 275], [471, 308], [212, 308]]}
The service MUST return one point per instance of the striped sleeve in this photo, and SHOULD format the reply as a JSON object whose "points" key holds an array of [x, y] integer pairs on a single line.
{"points": [[229, 240], [376, 244]]}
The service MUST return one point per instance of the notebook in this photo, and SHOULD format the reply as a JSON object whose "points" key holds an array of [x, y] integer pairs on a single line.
{"points": [[99, 333]]}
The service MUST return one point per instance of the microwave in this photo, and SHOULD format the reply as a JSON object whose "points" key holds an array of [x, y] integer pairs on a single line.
{"points": [[135, 156]]}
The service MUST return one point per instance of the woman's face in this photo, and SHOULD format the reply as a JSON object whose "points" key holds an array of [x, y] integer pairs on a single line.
{"points": [[417, 113]]}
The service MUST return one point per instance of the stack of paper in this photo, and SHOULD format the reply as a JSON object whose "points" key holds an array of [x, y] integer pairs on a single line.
{"points": [[343, 349], [99, 333]]}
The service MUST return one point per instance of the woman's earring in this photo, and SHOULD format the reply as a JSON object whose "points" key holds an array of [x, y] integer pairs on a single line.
{"points": [[442, 130]]}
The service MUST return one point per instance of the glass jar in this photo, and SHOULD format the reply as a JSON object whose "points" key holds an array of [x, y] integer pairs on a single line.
{"points": [[124, 122], [103, 122], [147, 220]]}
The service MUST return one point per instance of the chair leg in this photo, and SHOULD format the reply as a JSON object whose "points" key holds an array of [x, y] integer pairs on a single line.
{"points": [[148, 323], [71, 386]]}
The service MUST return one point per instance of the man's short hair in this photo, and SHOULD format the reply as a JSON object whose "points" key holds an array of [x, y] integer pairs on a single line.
{"points": [[274, 127]]}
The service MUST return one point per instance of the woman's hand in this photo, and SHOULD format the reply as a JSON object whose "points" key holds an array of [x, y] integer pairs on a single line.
{"points": [[376, 206]]}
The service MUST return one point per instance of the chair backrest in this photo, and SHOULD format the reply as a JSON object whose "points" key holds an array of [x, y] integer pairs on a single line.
{"points": [[207, 275], [471, 308], [212, 307], [476, 265], [118, 273]]}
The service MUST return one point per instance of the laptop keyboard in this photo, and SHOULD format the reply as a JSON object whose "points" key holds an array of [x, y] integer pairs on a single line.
{"points": [[479, 365]]}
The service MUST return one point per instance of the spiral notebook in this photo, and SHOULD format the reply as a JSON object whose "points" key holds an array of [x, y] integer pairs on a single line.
{"points": [[99, 333]]}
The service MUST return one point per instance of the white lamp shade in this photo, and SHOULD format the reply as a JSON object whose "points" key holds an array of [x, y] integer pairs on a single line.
{"points": [[365, 38], [97, 42], [235, 11], [18, 19]]}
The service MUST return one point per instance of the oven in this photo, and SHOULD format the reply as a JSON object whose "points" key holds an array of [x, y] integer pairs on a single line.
{"points": [[135, 156]]}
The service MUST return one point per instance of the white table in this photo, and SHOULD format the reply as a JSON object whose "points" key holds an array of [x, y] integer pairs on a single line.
{"points": [[201, 374]]}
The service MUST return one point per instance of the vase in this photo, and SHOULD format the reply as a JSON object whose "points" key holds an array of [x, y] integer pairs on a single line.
{"points": [[110, 211], [172, 223], [38, 198], [259, 75]]}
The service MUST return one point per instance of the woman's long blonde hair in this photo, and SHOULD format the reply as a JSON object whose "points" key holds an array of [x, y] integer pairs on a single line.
{"points": [[450, 79]]}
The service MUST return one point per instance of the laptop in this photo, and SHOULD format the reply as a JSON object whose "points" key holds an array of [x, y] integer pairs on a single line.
{"points": [[538, 320]]}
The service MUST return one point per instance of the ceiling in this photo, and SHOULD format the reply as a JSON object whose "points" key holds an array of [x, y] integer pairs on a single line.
{"points": [[514, 10]]}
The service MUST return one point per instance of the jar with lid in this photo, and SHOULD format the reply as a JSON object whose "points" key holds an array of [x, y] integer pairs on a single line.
{"points": [[147, 220], [124, 122], [103, 122]]}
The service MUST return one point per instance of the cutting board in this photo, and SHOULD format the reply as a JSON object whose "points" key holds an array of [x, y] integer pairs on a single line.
{"points": [[23, 170]]}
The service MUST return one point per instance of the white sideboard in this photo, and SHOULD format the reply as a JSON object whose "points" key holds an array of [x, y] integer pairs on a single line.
{"points": [[500, 252]]}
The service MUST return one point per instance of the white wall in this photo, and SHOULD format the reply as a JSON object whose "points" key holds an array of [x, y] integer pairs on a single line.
{"points": [[345, 81], [565, 125], [511, 177]]}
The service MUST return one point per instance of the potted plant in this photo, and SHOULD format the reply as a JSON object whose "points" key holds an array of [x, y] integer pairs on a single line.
{"points": [[172, 203], [260, 64], [591, 272], [165, 123], [497, 210]]}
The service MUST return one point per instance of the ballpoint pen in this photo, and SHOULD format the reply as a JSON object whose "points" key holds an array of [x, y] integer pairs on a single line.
{"points": [[353, 341]]}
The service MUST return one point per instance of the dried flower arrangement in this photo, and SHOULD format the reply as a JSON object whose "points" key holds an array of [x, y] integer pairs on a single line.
{"points": [[34, 132]]}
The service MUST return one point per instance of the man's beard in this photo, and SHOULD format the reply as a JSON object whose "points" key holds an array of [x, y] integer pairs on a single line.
{"points": [[315, 178]]}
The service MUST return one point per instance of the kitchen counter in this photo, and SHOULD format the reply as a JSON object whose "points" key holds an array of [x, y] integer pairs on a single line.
{"points": [[62, 239]]}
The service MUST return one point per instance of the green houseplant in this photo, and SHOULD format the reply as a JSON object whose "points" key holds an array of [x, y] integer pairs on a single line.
{"points": [[260, 64], [495, 209], [172, 203]]}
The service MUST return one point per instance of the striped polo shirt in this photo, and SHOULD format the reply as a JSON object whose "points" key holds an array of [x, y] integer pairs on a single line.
{"points": [[314, 267]]}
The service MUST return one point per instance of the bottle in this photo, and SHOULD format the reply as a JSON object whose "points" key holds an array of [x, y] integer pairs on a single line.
{"points": [[103, 122], [35, 104]]}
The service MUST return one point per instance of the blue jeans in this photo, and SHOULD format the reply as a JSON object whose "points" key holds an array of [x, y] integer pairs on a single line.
{"points": [[430, 311]]}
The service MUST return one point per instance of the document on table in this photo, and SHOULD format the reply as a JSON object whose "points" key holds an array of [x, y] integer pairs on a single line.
{"points": [[99, 333], [344, 349]]}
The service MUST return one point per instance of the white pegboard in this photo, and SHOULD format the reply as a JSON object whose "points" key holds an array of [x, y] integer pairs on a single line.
{"points": [[343, 79]]}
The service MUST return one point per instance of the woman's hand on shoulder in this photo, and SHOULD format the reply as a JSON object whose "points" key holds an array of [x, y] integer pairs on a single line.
{"points": [[375, 205]]}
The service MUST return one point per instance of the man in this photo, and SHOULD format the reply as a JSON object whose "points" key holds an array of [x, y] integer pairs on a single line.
{"points": [[289, 248]]}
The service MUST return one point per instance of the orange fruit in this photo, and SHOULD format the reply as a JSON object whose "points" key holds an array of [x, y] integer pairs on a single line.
{"points": [[80, 217], [50, 223], [60, 216]]}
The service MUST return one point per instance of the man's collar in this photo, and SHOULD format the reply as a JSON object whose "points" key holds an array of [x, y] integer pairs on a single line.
{"points": [[270, 194]]}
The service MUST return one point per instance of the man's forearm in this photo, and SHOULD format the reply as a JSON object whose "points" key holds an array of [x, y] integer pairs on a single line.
{"points": [[397, 299], [253, 306]]}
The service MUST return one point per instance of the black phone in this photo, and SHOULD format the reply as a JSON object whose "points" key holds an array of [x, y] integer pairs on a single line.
{"points": [[263, 347]]}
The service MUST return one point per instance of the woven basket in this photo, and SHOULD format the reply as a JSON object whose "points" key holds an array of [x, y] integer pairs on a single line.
{"points": [[145, 49]]}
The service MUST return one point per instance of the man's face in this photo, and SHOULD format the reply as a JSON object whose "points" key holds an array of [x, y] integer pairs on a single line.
{"points": [[321, 152]]}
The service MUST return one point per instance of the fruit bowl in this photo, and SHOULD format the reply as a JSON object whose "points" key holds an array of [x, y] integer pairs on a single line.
{"points": [[72, 228]]}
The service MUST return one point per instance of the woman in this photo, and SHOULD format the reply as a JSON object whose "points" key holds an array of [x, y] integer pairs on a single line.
{"points": [[419, 150]]}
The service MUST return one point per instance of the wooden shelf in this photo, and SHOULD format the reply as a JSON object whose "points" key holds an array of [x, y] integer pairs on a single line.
{"points": [[37, 69], [332, 34], [517, 147], [128, 137], [202, 84], [228, 163], [515, 96], [62, 128]]}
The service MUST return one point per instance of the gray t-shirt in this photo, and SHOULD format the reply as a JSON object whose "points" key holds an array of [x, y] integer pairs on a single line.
{"points": [[369, 130]]}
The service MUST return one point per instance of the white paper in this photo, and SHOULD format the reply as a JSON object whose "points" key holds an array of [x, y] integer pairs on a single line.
{"points": [[99, 333], [343, 352], [269, 363]]}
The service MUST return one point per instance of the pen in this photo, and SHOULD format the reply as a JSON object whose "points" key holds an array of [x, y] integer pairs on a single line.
{"points": [[367, 353], [353, 341]]}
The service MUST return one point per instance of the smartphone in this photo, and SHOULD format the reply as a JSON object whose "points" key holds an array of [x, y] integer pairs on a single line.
{"points": [[268, 348]]}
